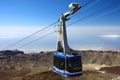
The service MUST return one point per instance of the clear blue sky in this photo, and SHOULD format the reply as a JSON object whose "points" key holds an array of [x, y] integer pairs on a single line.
{"points": [[19, 18]]}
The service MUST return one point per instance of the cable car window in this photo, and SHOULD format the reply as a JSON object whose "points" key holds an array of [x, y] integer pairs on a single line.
{"points": [[74, 65], [59, 63]]}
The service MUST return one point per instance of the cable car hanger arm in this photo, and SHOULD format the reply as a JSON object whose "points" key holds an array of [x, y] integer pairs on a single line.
{"points": [[62, 33]]}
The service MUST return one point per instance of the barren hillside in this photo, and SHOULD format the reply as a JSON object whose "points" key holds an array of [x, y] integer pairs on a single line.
{"points": [[87, 75], [16, 64]]}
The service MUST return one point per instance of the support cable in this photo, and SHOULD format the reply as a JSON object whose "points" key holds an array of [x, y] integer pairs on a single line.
{"points": [[30, 35]]}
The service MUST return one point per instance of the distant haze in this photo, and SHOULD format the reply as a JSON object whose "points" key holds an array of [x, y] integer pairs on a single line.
{"points": [[81, 38]]}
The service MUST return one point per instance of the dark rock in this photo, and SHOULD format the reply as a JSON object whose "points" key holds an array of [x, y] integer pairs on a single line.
{"points": [[11, 53]]}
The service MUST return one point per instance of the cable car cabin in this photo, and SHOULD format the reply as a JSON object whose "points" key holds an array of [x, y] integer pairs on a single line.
{"points": [[68, 66]]}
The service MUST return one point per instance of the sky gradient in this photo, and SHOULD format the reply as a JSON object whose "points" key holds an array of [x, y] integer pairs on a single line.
{"points": [[20, 18]]}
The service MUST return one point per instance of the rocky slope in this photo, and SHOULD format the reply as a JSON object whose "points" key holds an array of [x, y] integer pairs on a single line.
{"points": [[87, 75], [18, 59], [110, 58], [20, 64]]}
